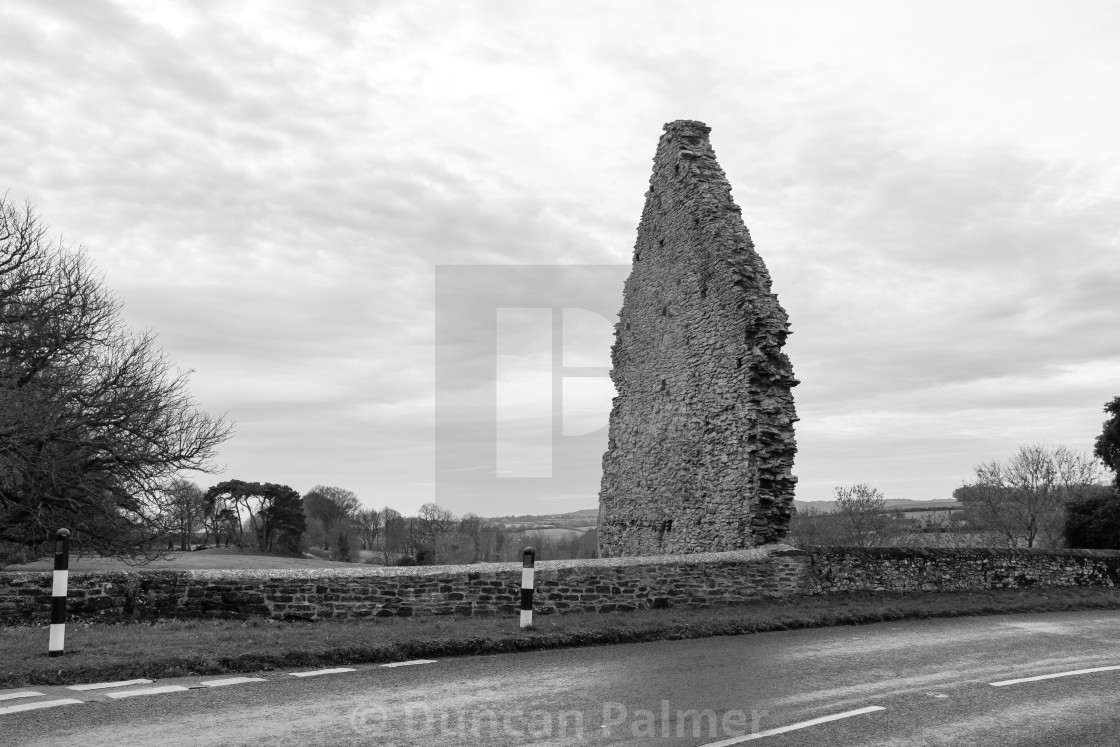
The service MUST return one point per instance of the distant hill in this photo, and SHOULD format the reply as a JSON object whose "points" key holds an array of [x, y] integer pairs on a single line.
{"points": [[581, 520], [897, 503], [588, 518]]}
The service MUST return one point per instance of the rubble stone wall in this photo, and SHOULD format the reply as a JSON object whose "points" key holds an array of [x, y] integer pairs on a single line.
{"points": [[701, 442], [565, 586], [562, 586], [842, 569]]}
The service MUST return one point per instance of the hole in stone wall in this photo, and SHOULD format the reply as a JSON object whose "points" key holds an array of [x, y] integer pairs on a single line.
{"points": [[661, 243], [664, 386], [637, 256], [739, 363]]}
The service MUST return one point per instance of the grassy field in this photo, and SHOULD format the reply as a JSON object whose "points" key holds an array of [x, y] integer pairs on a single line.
{"points": [[183, 647], [214, 558]]}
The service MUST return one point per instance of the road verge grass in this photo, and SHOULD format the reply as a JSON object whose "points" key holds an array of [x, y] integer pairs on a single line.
{"points": [[174, 648]]}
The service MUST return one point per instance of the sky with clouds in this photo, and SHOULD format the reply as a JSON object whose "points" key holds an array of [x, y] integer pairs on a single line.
{"points": [[288, 193]]}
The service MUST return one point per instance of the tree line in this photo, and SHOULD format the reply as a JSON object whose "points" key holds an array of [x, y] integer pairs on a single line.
{"points": [[332, 523], [340, 528], [1042, 496]]}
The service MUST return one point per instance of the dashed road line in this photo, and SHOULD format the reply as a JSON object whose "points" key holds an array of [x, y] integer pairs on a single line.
{"points": [[103, 685], [318, 672], [410, 663], [36, 706], [1002, 683], [794, 727], [21, 694], [232, 681], [147, 691]]}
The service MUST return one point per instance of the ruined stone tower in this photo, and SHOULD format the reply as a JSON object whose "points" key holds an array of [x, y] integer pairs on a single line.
{"points": [[701, 434]]}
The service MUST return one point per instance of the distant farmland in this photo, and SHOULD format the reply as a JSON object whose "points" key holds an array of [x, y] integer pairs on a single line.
{"points": [[557, 533]]}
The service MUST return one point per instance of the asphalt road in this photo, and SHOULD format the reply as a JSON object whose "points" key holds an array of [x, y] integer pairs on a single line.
{"points": [[921, 682]]}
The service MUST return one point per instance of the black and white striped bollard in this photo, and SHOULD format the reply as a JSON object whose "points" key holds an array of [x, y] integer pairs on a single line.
{"points": [[58, 592], [529, 556]]}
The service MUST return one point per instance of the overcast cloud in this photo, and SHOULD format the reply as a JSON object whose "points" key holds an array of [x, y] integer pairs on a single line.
{"points": [[271, 186]]}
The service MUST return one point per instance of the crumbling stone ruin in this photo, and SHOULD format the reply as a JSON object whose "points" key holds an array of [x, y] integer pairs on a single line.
{"points": [[701, 434]]}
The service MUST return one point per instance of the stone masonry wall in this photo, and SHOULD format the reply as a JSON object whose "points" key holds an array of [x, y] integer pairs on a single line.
{"points": [[701, 440], [570, 586], [367, 592], [841, 569]]}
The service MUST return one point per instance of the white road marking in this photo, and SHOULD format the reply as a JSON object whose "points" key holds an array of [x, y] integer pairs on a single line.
{"points": [[102, 685], [22, 694], [35, 706], [318, 672], [1001, 683], [410, 663], [147, 691], [232, 681], [794, 727]]}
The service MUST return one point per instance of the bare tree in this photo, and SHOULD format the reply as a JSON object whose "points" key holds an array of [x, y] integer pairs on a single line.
{"points": [[1023, 500], [369, 525], [186, 508], [392, 533], [432, 522], [862, 516], [94, 421], [471, 526]]}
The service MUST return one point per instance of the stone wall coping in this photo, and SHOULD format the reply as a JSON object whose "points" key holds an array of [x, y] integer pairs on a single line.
{"points": [[958, 552], [754, 554]]}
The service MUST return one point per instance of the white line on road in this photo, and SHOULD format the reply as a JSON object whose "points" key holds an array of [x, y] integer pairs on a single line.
{"points": [[794, 727], [318, 672], [22, 694], [232, 681], [1001, 683], [40, 704], [102, 685], [147, 691], [410, 663]]}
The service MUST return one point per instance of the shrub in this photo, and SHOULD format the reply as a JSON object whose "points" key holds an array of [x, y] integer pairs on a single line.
{"points": [[1094, 523]]}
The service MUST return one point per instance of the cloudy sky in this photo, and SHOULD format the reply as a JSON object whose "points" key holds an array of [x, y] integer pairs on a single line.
{"points": [[274, 188]]}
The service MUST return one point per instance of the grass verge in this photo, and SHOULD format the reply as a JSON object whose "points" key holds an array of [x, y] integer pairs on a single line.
{"points": [[173, 648]]}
